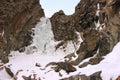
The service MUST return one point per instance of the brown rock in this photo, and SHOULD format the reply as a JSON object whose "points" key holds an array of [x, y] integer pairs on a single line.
{"points": [[89, 47], [8, 70], [82, 20], [62, 65], [62, 26], [16, 20], [37, 65], [92, 61], [95, 76], [118, 78], [95, 41]]}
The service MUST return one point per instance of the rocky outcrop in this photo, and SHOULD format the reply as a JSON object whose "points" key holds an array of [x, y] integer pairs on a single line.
{"points": [[85, 15], [9, 72], [82, 21], [17, 17], [112, 10], [63, 26], [92, 61], [98, 40], [95, 76], [62, 66]]}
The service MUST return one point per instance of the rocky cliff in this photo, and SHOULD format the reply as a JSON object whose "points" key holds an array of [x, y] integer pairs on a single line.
{"points": [[17, 17], [98, 23]]}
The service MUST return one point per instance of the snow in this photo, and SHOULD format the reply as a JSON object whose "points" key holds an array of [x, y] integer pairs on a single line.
{"points": [[42, 51], [97, 24], [4, 75], [27, 63], [98, 9]]}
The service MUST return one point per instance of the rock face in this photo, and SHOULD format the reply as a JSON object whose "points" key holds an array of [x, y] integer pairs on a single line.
{"points": [[62, 66], [98, 40], [82, 21], [112, 11], [63, 26], [17, 17]]}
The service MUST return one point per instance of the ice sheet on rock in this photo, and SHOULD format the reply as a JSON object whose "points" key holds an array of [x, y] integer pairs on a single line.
{"points": [[43, 39]]}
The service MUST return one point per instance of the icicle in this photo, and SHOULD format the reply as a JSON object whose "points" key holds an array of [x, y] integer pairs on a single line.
{"points": [[97, 14]]}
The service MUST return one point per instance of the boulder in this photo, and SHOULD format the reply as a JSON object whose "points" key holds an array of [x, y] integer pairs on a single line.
{"points": [[62, 66]]}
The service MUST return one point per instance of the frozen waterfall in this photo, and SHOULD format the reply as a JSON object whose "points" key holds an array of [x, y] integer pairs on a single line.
{"points": [[43, 40]]}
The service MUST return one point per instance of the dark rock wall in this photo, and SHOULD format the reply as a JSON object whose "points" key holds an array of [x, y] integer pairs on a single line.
{"points": [[17, 17], [84, 15]]}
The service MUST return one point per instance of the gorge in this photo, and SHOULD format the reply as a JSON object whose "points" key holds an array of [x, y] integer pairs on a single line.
{"points": [[88, 34]]}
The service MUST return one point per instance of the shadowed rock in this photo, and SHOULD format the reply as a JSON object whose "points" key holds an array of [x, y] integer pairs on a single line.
{"points": [[95, 76]]}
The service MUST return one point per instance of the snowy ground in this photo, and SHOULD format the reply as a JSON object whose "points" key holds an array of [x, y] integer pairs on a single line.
{"points": [[24, 64], [27, 64]]}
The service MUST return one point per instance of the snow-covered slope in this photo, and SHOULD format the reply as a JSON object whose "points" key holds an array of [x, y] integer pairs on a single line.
{"points": [[26, 65], [109, 66]]}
